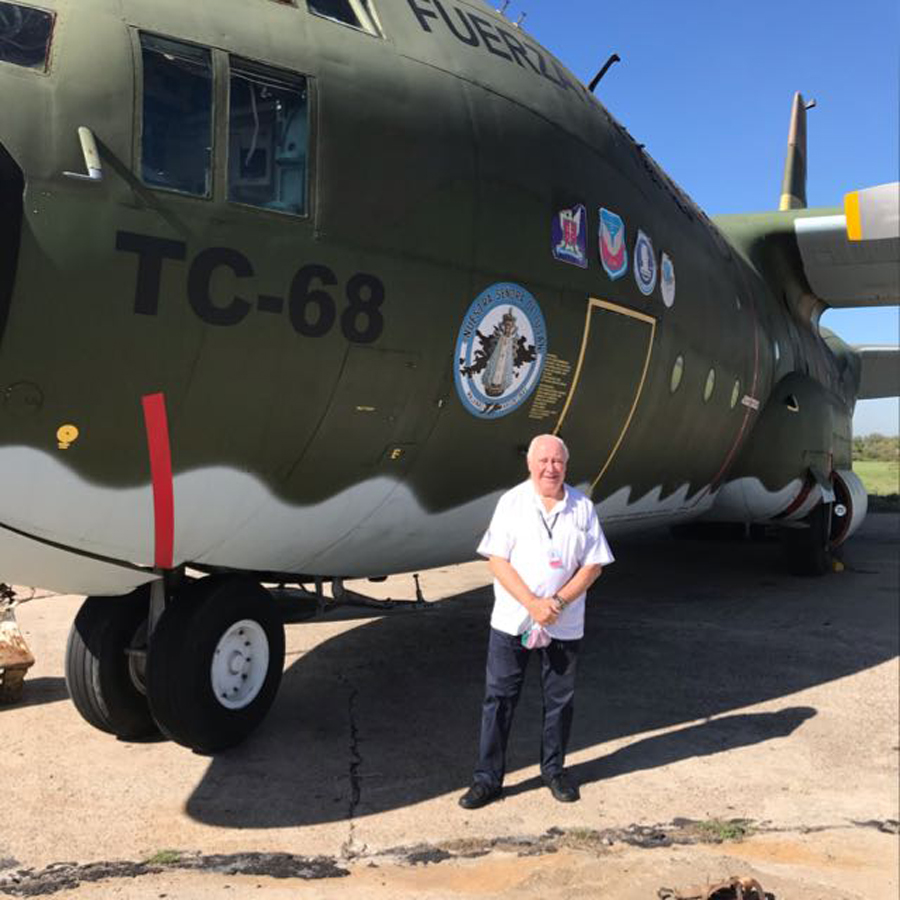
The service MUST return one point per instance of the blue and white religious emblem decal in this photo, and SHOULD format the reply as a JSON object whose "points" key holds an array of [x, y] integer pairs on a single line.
{"points": [[500, 351], [667, 279], [569, 236], [644, 264], [613, 252]]}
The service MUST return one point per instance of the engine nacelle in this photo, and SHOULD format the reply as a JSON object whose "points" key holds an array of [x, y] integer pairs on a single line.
{"points": [[851, 502]]}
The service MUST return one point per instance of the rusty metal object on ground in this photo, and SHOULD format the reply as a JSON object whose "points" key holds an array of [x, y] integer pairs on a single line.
{"points": [[15, 657], [733, 888]]}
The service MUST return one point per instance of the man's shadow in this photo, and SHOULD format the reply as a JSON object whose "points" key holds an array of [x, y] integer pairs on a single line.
{"points": [[386, 714], [705, 739]]}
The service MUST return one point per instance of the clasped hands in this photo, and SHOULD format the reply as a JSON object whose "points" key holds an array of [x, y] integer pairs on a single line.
{"points": [[545, 610]]}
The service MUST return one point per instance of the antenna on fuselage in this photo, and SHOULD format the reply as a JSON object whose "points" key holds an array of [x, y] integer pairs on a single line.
{"points": [[596, 79]]}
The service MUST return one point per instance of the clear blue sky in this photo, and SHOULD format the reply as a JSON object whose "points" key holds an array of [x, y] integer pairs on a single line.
{"points": [[707, 87]]}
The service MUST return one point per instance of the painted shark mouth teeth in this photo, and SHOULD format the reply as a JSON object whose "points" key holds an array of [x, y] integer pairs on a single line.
{"points": [[12, 185]]}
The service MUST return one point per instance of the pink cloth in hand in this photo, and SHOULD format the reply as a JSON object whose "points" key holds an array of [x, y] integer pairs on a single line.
{"points": [[535, 637]]}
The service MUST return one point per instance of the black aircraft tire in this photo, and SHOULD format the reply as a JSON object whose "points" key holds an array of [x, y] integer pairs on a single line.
{"points": [[806, 549], [97, 668], [224, 629]]}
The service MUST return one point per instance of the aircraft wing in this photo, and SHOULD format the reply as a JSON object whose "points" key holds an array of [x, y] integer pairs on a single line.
{"points": [[853, 259], [880, 372]]}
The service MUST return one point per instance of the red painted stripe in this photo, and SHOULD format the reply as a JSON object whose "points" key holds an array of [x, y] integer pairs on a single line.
{"points": [[736, 444], [157, 426], [747, 412]]}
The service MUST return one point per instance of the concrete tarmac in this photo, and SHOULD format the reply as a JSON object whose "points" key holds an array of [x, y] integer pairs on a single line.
{"points": [[718, 698]]}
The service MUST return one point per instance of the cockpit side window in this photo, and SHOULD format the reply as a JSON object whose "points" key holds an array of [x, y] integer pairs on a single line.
{"points": [[25, 36], [268, 138], [356, 13], [176, 142]]}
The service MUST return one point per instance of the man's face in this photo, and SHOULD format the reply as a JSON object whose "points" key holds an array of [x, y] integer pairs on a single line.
{"points": [[547, 467]]}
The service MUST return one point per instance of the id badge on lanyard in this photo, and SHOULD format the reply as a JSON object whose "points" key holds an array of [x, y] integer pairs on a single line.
{"points": [[553, 557]]}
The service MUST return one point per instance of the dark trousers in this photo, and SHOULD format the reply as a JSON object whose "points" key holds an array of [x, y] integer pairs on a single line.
{"points": [[507, 661]]}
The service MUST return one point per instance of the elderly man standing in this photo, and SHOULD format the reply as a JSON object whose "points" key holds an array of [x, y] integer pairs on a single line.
{"points": [[545, 548]]}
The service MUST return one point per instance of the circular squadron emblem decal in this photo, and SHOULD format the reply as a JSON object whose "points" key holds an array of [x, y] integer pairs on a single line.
{"points": [[500, 351], [644, 264], [667, 279]]}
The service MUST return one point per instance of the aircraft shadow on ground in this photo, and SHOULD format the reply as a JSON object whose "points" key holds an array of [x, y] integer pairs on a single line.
{"points": [[386, 714]]}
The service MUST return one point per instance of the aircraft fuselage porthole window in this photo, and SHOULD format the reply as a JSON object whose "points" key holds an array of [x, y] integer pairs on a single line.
{"points": [[25, 35], [356, 13], [710, 385], [268, 138], [677, 373], [176, 141]]}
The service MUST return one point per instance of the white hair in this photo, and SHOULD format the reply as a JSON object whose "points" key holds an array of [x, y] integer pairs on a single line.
{"points": [[540, 437]]}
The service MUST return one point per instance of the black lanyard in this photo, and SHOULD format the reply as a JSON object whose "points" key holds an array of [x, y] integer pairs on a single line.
{"points": [[548, 528]]}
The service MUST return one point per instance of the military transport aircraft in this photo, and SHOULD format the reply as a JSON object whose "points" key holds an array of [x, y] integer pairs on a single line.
{"points": [[287, 286]]}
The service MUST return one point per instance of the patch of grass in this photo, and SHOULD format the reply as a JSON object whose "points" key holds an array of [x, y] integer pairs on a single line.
{"points": [[715, 831], [164, 858], [880, 477], [583, 839]]}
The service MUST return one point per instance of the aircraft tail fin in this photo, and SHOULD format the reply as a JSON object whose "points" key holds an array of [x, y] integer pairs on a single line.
{"points": [[793, 185]]}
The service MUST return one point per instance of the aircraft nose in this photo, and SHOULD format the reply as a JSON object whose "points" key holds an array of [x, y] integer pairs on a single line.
{"points": [[12, 186]]}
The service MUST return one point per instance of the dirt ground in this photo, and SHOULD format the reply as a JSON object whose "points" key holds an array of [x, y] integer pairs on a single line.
{"points": [[732, 720]]}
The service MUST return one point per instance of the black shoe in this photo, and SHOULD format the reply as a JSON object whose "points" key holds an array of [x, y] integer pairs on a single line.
{"points": [[480, 794], [563, 789]]}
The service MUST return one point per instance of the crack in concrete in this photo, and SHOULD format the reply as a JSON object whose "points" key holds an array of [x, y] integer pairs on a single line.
{"points": [[350, 850], [680, 831], [888, 826], [25, 882], [68, 876]]}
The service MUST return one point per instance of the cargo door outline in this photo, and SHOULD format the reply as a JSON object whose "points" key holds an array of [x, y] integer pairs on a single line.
{"points": [[614, 309]]}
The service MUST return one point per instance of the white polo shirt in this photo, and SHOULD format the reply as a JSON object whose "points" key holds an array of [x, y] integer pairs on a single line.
{"points": [[546, 549]]}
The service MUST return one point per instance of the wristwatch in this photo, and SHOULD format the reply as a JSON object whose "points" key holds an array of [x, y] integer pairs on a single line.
{"points": [[560, 601]]}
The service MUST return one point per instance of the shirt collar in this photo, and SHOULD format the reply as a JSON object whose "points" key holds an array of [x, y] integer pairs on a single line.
{"points": [[557, 508]]}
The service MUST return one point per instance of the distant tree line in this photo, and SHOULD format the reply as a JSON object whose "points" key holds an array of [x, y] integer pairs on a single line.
{"points": [[876, 446]]}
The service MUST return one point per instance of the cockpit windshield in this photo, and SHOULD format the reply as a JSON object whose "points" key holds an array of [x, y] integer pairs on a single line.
{"points": [[356, 13], [25, 34]]}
